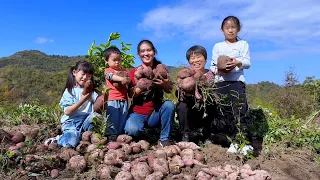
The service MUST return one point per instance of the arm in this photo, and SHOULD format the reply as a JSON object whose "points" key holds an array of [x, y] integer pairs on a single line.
{"points": [[112, 77], [215, 55], [68, 104], [245, 57]]}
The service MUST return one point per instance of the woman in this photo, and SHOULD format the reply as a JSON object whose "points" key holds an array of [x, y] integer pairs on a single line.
{"points": [[150, 108]]}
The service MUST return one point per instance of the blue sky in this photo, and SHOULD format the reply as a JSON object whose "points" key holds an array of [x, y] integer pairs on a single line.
{"points": [[280, 35]]}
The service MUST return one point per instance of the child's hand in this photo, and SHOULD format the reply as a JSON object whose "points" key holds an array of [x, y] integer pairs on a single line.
{"points": [[232, 64], [125, 81], [85, 97]]}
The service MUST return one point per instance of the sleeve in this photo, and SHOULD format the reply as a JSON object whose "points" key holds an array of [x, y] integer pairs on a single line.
{"points": [[215, 55], [66, 100], [94, 96], [131, 76], [245, 57], [108, 74]]}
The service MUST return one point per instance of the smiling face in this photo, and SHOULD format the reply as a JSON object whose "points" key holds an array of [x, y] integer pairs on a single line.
{"points": [[81, 77], [197, 61], [146, 54]]}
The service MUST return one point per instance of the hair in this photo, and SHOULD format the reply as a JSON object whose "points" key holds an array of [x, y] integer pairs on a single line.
{"points": [[85, 66], [155, 60], [107, 52], [196, 49], [235, 20]]}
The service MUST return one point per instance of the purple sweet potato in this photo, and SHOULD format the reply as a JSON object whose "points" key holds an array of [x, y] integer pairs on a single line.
{"points": [[203, 176], [113, 145], [187, 156], [54, 173], [136, 147], [82, 147], [126, 166], [96, 156], [91, 147], [114, 157], [138, 73], [187, 145], [67, 153], [162, 165], [144, 84], [124, 175], [188, 84], [126, 148], [145, 145], [41, 148], [176, 164], [147, 72], [5, 136], [88, 87], [17, 137], [86, 136], [222, 63], [124, 139], [185, 72], [77, 163], [161, 71], [103, 172], [199, 157], [95, 138], [151, 157], [157, 175], [171, 150], [52, 146], [141, 170], [160, 153]]}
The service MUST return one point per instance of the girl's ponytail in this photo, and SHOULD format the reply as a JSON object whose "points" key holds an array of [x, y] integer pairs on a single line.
{"points": [[70, 82]]}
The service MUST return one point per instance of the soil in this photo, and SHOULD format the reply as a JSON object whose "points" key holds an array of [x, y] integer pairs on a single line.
{"points": [[289, 164]]}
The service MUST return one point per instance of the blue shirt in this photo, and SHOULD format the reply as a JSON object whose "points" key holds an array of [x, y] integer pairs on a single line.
{"points": [[68, 99]]}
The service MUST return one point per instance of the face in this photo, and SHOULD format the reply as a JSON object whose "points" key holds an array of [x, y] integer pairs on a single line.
{"points": [[197, 61], [230, 30], [81, 77], [114, 61], [146, 53]]}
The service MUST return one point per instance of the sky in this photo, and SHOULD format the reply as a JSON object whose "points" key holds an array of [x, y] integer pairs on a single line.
{"points": [[281, 36]]}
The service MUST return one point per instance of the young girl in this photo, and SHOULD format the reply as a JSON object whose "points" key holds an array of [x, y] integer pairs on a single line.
{"points": [[231, 82], [117, 109], [78, 108]]}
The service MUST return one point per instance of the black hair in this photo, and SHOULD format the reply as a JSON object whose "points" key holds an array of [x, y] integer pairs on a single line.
{"points": [[235, 20], [107, 52], [196, 49], [155, 60], [85, 66]]}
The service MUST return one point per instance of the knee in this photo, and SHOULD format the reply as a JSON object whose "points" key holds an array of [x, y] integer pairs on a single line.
{"points": [[168, 105], [132, 129], [69, 139]]}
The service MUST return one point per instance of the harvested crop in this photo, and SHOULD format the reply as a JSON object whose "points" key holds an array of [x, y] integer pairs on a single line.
{"points": [[160, 153], [82, 147], [52, 146], [124, 175], [114, 157], [67, 153], [187, 145], [136, 147], [96, 156], [185, 72], [113, 145], [141, 170], [77, 163], [203, 176], [222, 63], [144, 84], [54, 173], [138, 74], [157, 175], [118, 85], [147, 72], [103, 172], [126, 148], [86, 136], [161, 70], [88, 87], [176, 164], [91, 147], [162, 165], [126, 166], [172, 150], [41, 148], [145, 145], [17, 137], [187, 156], [199, 157], [188, 84], [150, 159], [124, 139]]}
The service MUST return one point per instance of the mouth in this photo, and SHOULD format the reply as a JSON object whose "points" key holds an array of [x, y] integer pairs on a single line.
{"points": [[196, 65]]}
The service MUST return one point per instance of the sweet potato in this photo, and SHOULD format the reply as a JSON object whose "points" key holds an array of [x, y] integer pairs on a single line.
{"points": [[171, 150], [138, 73], [216, 172], [86, 136], [82, 147], [52, 146], [114, 157], [203, 176], [176, 164], [198, 74], [187, 145], [160, 153], [150, 159], [232, 176], [5, 136], [187, 156], [118, 85], [185, 72], [157, 175], [41, 148], [54, 173], [126, 166], [95, 138], [96, 156], [222, 63], [113, 145], [91, 147], [141, 170], [147, 72], [77, 163], [124, 139], [126, 148], [17, 137], [144, 84], [103, 172], [88, 87], [183, 177], [162, 165], [67, 153], [145, 145], [20, 145], [188, 84], [161, 71], [261, 175], [136, 147], [124, 175], [199, 157]]}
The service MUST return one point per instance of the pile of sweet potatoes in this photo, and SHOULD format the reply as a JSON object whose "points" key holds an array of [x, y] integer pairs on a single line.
{"points": [[144, 76]]}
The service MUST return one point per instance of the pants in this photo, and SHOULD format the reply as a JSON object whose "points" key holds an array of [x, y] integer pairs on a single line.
{"points": [[117, 112], [190, 118], [160, 116], [72, 129], [233, 105]]}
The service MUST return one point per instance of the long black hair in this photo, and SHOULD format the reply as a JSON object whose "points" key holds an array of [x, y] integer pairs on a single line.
{"points": [[85, 66], [155, 60]]}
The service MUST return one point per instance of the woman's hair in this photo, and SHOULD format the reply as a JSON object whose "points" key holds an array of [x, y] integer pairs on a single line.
{"points": [[196, 49], [155, 60], [85, 66], [234, 19], [107, 52]]}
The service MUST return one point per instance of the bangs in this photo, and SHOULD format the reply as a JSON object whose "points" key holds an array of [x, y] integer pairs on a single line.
{"points": [[86, 68]]}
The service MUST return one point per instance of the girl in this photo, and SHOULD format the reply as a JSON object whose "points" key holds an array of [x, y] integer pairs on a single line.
{"points": [[190, 116], [117, 109], [231, 82], [150, 109], [78, 108]]}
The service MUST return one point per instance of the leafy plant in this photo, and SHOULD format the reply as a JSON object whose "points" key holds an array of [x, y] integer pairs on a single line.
{"points": [[96, 57]]}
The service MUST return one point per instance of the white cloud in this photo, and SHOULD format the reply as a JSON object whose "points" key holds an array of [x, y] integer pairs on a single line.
{"points": [[291, 24], [42, 40]]}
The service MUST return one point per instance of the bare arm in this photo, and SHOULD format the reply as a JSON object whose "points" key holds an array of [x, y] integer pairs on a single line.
{"points": [[69, 110]]}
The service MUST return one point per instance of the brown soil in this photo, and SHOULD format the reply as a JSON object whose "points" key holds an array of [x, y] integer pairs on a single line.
{"points": [[287, 165]]}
